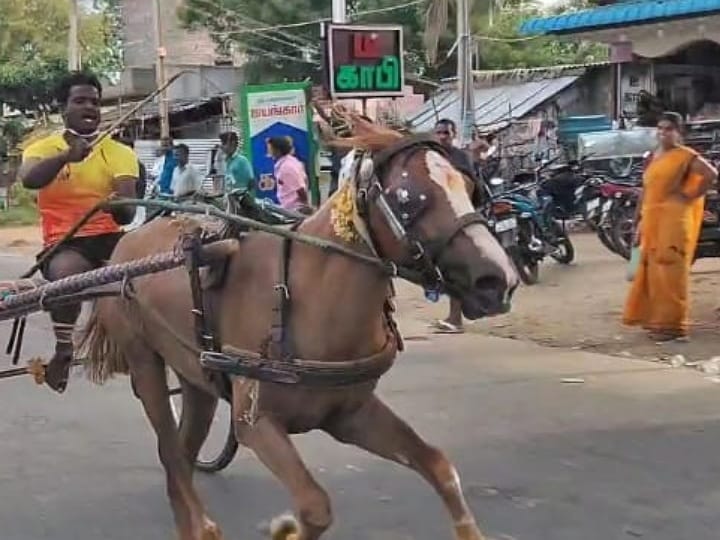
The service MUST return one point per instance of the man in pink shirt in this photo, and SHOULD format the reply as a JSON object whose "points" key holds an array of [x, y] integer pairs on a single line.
{"points": [[289, 174]]}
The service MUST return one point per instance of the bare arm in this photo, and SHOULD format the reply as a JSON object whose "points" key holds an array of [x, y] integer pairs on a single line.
{"points": [[700, 166], [38, 173]]}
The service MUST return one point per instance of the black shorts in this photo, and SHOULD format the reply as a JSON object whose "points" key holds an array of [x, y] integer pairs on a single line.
{"points": [[95, 249]]}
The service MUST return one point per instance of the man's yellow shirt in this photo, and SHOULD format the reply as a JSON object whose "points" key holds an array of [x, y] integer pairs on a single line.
{"points": [[80, 186]]}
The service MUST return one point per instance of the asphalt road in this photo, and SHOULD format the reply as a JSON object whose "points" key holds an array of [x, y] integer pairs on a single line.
{"points": [[632, 451]]}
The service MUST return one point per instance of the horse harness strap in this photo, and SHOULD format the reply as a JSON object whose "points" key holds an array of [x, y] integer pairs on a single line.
{"points": [[205, 334], [280, 346], [401, 208], [277, 363]]}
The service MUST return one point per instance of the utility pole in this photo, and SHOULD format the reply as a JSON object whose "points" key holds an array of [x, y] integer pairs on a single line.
{"points": [[464, 72], [160, 74], [339, 11], [73, 37]]}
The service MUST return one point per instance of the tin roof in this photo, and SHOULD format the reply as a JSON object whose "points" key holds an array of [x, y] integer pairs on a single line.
{"points": [[495, 107], [152, 109], [620, 14]]}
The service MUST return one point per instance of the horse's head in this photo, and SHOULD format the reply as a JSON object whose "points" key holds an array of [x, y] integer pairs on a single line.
{"points": [[418, 214]]}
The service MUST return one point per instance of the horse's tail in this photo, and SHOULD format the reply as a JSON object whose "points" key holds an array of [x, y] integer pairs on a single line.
{"points": [[103, 356]]}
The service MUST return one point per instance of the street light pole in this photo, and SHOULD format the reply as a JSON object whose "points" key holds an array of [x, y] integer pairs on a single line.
{"points": [[160, 73], [339, 11], [464, 73], [73, 37]]}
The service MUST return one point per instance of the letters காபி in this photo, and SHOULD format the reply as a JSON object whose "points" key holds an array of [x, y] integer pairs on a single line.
{"points": [[382, 76]]}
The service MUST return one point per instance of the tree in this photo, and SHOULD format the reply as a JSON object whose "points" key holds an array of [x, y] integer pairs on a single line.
{"points": [[505, 48], [33, 48], [293, 52]]}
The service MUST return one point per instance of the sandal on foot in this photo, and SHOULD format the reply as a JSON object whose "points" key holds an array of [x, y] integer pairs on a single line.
{"points": [[445, 327], [668, 337]]}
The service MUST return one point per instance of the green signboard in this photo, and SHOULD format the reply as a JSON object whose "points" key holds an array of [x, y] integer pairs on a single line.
{"points": [[365, 61]]}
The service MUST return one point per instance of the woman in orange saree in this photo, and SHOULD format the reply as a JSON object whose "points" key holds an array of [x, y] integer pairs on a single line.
{"points": [[667, 230]]}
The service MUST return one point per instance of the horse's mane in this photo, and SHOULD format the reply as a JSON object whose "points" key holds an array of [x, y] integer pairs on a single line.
{"points": [[367, 135]]}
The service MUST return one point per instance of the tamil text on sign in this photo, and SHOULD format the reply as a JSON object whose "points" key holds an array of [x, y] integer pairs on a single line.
{"points": [[365, 61]]}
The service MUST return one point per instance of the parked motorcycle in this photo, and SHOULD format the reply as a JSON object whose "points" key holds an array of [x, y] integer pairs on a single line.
{"points": [[539, 233], [709, 240], [616, 211]]}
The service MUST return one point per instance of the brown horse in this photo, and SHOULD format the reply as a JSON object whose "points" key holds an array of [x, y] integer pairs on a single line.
{"points": [[337, 314]]}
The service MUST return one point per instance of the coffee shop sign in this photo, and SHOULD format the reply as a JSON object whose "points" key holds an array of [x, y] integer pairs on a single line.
{"points": [[365, 61]]}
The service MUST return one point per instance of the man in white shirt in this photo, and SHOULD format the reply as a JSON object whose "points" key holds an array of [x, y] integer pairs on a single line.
{"points": [[186, 179]]}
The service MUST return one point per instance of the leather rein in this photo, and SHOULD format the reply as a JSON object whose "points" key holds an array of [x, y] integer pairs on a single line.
{"points": [[402, 206]]}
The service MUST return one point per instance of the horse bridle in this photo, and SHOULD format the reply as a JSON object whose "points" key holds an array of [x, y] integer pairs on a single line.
{"points": [[402, 206]]}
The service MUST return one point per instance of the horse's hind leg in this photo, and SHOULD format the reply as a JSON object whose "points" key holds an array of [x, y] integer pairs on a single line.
{"points": [[150, 385], [273, 447], [377, 429], [198, 411]]}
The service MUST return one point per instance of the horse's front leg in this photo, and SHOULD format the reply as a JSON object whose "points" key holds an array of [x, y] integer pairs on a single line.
{"points": [[377, 429], [272, 445], [150, 384]]}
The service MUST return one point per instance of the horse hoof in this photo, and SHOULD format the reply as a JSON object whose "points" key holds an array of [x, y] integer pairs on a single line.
{"points": [[468, 531], [284, 527], [211, 531]]}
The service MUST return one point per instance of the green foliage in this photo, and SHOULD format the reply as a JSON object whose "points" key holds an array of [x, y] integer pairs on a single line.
{"points": [[509, 50], [29, 86], [11, 133], [22, 197], [288, 54], [291, 54], [33, 48]]}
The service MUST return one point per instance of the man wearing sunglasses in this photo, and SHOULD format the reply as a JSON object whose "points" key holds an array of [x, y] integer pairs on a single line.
{"points": [[445, 133]]}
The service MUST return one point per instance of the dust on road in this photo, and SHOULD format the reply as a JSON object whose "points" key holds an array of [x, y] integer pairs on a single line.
{"points": [[23, 240], [579, 306]]}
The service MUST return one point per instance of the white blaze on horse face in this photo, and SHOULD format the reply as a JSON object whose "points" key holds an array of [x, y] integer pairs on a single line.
{"points": [[346, 168], [453, 185]]}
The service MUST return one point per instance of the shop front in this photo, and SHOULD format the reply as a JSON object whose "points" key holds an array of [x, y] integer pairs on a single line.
{"points": [[665, 54]]}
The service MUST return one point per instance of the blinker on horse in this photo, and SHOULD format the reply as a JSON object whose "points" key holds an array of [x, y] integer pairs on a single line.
{"points": [[460, 256], [406, 205]]}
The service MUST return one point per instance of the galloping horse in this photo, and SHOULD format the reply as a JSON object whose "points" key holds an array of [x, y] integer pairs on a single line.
{"points": [[336, 312]]}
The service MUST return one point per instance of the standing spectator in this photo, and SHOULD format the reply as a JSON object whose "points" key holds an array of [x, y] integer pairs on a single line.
{"points": [[668, 225], [239, 173], [186, 180], [215, 167], [445, 133], [290, 174], [164, 166]]}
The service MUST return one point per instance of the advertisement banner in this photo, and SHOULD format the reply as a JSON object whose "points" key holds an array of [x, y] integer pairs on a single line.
{"points": [[278, 110]]}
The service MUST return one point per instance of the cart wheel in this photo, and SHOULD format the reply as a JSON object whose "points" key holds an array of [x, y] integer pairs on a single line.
{"points": [[221, 446]]}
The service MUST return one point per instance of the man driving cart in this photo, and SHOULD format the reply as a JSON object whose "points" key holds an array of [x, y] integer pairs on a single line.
{"points": [[73, 171]]}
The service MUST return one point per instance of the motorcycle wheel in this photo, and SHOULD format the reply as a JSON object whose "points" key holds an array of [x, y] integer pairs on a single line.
{"points": [[622, 234], [592, 223], [566, 253], [606, 240], [529, 271], [566, 250]]}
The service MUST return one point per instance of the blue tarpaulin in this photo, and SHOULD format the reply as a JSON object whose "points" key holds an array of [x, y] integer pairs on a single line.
{"points": [[621, 14]]}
